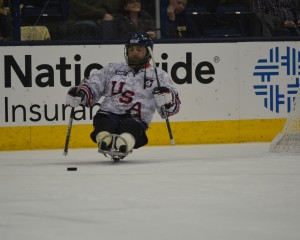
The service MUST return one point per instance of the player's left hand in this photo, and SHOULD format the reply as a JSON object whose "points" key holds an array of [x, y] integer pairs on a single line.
{"points": [[163, 97]]}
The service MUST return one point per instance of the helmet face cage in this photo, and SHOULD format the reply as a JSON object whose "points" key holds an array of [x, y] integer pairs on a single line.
{"points": [[138, 39]]}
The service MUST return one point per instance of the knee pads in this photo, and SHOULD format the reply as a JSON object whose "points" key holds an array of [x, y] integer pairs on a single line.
{"points": [[130, 140]]}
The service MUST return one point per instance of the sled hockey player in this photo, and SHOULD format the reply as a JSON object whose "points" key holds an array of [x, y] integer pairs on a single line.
{"points": [[131, 94]]}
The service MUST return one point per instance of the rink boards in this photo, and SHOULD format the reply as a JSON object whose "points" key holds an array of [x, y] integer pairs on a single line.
{"points": [[230, 92]]}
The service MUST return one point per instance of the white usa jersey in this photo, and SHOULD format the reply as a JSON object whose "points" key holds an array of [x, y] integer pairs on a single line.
{"points": [[126, 91]]}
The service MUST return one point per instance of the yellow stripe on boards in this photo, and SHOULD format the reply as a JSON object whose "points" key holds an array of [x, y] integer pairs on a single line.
{"points": [[204, 132]]}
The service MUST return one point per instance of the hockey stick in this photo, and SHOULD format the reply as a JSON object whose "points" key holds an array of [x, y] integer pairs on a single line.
{"points": [[163, 108], [72, 114]]}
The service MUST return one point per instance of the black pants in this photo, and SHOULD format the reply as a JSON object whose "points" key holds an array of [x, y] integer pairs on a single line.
{"points": [[118, 124]]}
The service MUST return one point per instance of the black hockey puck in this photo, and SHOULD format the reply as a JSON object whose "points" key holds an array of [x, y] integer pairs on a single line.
{"points": [[72, 168]]}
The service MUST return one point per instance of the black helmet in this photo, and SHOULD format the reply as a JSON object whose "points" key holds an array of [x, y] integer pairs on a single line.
{"points": [[139, 39]]}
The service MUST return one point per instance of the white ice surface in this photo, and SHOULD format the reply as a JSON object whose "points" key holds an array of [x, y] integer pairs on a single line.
{"points": [[208, 192]]}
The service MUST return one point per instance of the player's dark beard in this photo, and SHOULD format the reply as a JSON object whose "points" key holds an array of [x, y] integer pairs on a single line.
{"points": [[136, 62]]}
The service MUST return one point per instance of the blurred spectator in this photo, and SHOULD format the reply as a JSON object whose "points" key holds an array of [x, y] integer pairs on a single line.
{"points": [[88, 17], [289, 12], [5, 21], [180, 25], [133, 19], [278, 17]]}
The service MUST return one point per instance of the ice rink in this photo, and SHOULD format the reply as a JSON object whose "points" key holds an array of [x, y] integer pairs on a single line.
{"points": [[208, 192]]}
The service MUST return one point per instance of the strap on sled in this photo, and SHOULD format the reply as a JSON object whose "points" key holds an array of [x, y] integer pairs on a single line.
{"points": [[112, 151]]}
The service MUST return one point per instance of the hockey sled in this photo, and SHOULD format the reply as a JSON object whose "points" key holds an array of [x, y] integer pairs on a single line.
{"points": [[111, 150]]}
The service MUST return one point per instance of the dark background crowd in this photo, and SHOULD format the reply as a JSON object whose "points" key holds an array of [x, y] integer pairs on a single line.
{"points": [[171, 19]]}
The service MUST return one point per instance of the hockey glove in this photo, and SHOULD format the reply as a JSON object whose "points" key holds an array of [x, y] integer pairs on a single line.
{"points": [[166, 100], [163, 97], [74, 97]]}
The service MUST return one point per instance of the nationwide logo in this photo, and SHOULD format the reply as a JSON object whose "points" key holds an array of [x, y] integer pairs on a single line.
{"points": [[278, 77]]}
